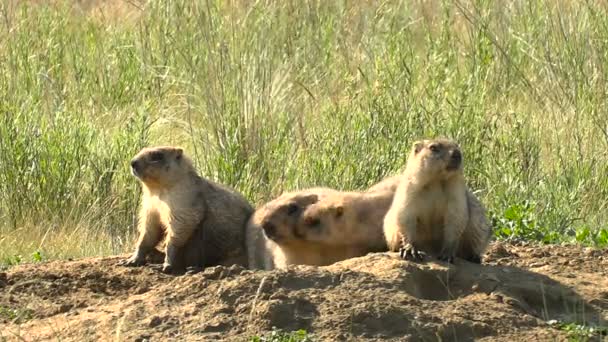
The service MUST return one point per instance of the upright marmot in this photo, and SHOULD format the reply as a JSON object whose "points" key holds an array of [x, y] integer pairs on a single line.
{"points": [[275, 238], [201, 222], [349, 219], [433, 210]]}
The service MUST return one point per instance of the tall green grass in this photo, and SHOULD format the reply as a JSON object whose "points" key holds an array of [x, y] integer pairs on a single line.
{"points": [[276, 95]]}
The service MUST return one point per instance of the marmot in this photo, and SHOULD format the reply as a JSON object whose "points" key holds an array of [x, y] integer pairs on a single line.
{"points": [[433, 211], [349, 219], [274, 237], [387, 184], [202, 222], [259, 248]]}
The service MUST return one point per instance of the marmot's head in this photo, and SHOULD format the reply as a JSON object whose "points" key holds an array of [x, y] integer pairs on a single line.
{"points": [[281, 216], [160, 166], [436, 158], [321, 221]]}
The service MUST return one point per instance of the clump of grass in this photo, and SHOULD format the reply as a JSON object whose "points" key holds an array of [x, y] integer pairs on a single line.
{"points": [[272, 96]]}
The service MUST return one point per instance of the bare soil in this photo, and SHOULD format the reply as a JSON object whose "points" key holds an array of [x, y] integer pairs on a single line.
{"points": [[513, 296]]}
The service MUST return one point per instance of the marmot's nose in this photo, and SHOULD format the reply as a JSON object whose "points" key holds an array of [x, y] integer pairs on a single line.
{"points": [[456, 156], [134, 164], [312, 221], [269, 228]]}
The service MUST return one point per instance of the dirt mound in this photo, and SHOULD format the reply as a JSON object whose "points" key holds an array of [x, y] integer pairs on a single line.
{"points": [[512, 296]]}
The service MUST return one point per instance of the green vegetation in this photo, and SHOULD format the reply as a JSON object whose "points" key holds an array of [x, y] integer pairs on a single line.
{"points": [[274, 95], [582, 333], [15, 315], [278, 336]]}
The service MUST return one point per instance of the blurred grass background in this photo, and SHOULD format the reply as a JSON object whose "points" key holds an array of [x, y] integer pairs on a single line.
{"points": [[268, 96]]}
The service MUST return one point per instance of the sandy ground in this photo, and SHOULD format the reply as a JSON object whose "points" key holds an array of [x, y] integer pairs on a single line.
{"points": [[512, 296]]}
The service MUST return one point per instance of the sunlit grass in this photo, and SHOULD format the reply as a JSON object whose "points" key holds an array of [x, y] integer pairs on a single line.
{"points": [[275, 95]]}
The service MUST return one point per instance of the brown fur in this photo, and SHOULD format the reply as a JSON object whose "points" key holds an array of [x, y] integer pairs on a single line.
{"points": [[273, 238], [433, 211], [349, 219], [387, 184], [203, 222], [259, 248]]}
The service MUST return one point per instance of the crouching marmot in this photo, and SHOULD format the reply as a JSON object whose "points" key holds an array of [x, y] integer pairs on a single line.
{"points": [[201, 222], [433, 211], [350, 220], [387, 184], [277, 235], [275, 238]]}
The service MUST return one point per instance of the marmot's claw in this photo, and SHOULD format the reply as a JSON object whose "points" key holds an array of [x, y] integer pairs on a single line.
{"points": [[168, 269], [193, 270], [157, 267], [476, 259], [410, 253], [402, 252], [446, 258], [417, 255], [131, 262]]}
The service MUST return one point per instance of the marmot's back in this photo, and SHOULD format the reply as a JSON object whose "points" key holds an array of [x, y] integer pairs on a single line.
{"points": [[224, 225]]}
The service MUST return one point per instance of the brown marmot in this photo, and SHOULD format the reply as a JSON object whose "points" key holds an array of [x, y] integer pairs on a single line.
{"points": [[387, 184], [201, 222], [433, 211], [349, 219], [274, 238]]}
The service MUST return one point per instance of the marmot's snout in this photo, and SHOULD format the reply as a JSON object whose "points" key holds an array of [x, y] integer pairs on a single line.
{"points": [[455, 160], [136, 167], [270, 230], [312, 221]]}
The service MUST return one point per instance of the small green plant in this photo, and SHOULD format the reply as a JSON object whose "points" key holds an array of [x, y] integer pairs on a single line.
{"points": [[37, 256], [518, 221], [276, 335], [13, 260], [16, 259], [594, 237], [580, 332], [15, 315]]}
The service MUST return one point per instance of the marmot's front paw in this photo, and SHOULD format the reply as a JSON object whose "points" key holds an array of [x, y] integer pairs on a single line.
{"points": [[193, 270], [132, 262], [168, 269], [410, 252], [447, 257], [476, 259]]}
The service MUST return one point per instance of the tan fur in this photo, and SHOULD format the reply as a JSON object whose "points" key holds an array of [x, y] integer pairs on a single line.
{"points": [[349, 219], [433, 211], [273, 240], [203, 222], [387, 184], [314, 254]]}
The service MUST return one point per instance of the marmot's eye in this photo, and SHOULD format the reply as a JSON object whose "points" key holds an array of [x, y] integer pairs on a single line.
{"points": [[292, 209], [156, 157], [434, 148], [310, 221]]}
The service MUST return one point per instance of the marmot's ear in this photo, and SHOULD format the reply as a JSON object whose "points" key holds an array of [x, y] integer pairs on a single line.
{"points": [[418, 145], [339, 210], [311, 198], [179, 152]]}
